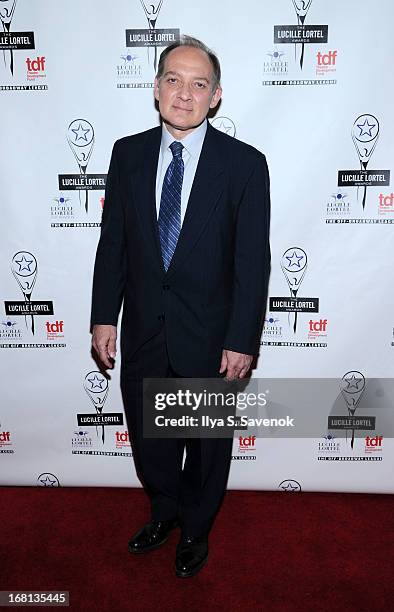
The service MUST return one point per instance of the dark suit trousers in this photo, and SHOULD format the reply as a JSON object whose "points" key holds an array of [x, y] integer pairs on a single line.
{"points": [[193, 490]]}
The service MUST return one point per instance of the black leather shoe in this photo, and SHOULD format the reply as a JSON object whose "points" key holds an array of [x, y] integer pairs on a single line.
{"points": [[191, 556], [151, 536]]}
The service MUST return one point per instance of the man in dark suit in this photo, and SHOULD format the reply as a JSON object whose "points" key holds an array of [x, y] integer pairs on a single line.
{"points": [[185, 245]]}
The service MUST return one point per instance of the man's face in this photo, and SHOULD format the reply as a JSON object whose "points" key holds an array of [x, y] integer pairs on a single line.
{"points": [[184, 92]]}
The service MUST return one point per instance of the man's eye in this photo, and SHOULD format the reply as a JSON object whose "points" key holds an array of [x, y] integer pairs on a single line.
{"points": [[171, 80], [200, 85]]}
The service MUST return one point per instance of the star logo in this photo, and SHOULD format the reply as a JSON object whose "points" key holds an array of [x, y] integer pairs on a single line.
{"points": [[223, 127], [294, 260], [80, 133], [24, 264], [290, 486], [48, 480], [95, 382], [353, 382], [366, 128]]}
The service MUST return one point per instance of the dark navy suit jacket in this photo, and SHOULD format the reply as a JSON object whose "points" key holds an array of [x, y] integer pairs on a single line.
{"points": [[214, 293]]}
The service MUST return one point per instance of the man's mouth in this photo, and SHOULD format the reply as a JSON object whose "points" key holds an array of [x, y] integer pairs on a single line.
{"points": [[185, 110]]}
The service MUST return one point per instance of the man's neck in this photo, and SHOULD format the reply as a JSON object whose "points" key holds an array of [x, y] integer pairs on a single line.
{"points": [[179, 134]]}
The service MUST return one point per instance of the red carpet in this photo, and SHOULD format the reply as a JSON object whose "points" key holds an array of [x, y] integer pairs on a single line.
{"points": [[268, 551]]}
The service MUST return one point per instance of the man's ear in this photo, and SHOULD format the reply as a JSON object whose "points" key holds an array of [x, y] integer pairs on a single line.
{"points": [[216, 97], [156, 88]]}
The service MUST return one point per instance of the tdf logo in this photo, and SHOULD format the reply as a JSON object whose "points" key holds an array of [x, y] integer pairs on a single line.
{"points": [[327, 59], [36, 65], [247, 442]]}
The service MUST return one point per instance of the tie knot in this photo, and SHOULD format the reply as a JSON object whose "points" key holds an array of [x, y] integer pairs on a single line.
{"points": [[176, 148]]}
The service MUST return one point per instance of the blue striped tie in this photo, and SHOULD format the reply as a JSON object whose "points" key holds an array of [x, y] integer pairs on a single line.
{"points": [[170, 204]]}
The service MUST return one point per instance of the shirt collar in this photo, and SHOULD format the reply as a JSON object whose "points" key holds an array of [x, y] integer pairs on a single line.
{"points": [[192, 142]]}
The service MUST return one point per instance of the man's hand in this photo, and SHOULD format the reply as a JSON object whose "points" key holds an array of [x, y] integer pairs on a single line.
{"points": [[236, 364], [104, 343]]}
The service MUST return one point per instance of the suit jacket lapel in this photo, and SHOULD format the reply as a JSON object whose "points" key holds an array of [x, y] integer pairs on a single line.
{"points": [[144, 190], [203, 196]]}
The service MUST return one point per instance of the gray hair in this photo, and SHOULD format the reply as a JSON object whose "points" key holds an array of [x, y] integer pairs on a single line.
{"points": [[189, 41]]}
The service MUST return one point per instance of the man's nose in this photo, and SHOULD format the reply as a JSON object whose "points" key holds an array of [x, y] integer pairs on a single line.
{"points": [[185, 92]]}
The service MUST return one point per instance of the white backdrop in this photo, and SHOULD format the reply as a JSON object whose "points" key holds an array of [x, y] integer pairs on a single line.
{"points": [[67, 95]]}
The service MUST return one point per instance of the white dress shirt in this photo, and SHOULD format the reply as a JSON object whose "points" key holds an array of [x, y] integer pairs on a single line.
{"points": [[192, 145]]}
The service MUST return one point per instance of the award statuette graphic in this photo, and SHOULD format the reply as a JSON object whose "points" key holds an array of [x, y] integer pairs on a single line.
{"points": [[80, 136], [352, 387], [96, 386], [365, 134], [7, 8], [301, 8], [152, 10], [294, 263], [24, 268]]}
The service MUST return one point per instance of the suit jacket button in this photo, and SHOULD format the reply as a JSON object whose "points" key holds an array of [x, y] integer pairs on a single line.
{"points": [[166, 287], [161, 317]]}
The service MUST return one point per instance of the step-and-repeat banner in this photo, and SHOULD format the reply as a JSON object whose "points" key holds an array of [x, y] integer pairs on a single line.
{"points": [[306, 82]]}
